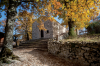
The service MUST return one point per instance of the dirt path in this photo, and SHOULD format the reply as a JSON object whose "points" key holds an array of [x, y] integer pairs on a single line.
{"points": [[34, 53], [36, 57]]}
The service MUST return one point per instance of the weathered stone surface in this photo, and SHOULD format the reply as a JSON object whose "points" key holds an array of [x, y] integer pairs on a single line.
{"points": [[35, 31], [84, 53], [54, 30]]}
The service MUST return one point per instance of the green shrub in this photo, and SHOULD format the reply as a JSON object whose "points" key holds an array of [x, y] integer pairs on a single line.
{"points": [[94, 28]]}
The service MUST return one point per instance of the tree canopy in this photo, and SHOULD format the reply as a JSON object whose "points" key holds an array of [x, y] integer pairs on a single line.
{"points": [[79, 12]]}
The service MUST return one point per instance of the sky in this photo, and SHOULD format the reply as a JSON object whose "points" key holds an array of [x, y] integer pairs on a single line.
{"points": [[3, 16]]}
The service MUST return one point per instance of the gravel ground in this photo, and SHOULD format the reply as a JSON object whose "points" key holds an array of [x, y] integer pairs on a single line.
{"points": [[36, 57]]}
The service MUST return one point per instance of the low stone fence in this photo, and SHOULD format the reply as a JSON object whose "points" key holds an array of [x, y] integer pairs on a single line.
{"points": [[87, 54]]}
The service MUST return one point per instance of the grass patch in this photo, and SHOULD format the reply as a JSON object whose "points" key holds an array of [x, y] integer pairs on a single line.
{"points": [[84, 38]]}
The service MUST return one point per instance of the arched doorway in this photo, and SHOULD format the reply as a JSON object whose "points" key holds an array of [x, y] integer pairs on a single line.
{"points": [[42, 33]]}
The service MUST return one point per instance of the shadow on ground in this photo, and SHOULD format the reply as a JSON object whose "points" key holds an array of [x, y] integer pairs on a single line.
{"points": [[46, 58], [39, 50]]}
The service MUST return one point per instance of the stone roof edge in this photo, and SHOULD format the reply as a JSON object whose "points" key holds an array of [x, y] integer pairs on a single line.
{"points": [[56, 21], [60, 24]]}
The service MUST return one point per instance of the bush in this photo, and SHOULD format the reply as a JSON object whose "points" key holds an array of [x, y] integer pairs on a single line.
{"points": [[94, 28]]}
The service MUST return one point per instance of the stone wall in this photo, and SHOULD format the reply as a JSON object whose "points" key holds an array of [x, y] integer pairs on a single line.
{"points": [[58, 30], [48, 26], [35, 31], [87, 54], [54, 29]]}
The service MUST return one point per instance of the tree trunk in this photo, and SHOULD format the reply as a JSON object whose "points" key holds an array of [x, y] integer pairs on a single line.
{"points": [[77, 31], [7, 49], [27, 36], [71, 28]]}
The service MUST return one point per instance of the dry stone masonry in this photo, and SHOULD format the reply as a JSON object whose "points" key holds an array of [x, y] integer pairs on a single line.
{"points": [[86, 53], [54, 29]]}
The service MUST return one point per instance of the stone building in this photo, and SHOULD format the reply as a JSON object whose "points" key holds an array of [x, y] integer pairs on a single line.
{"points": [[54, 29]]}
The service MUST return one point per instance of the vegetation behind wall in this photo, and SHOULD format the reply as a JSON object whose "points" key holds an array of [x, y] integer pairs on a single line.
{"points": [[93, 28]]}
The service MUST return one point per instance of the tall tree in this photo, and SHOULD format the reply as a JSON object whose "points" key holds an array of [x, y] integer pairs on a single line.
{"points": [[26, 20], [11, 15], [76, 13]]}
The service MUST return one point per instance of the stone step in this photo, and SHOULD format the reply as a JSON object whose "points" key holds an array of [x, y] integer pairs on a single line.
{"points": [[39, 44], [37, 40], [33, 45]]}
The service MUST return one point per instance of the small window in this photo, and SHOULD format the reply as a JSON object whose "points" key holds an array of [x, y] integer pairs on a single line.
{"points": [[47, 31]]}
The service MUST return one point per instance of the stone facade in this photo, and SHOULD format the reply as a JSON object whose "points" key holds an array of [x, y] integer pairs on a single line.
{"points": [[58, 30], [86, 54], [54, 29], [35, 31]]}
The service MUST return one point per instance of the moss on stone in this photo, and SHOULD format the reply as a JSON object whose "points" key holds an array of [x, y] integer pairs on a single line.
{"points": [[14, 57], [6, 52], [5, 60]]}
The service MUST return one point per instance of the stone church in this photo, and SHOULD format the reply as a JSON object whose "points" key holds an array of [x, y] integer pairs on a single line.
{"points": [[54, 29]]}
